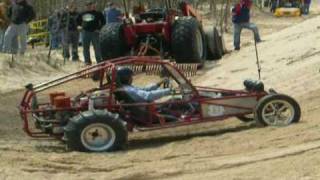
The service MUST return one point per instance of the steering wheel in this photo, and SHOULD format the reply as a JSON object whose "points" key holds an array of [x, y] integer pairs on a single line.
{"points": [[168, 84]]}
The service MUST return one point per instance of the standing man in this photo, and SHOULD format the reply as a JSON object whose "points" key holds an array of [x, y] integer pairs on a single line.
{"points": [[91, 22], [113, 14], [306, 6], [241, 19], [106, 10], [20, 14], [70, 32], [53, 28], [274, 5]]}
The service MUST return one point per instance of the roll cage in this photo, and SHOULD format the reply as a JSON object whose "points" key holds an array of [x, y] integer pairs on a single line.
{"points": [[211, 103]]}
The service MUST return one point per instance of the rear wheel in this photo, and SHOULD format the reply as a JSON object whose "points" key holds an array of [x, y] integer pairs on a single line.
{"points": [[112, 41], [188, 41], [96, 131], [277, 110]]}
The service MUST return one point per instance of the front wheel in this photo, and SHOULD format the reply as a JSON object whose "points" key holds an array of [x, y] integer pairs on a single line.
{"points": [[277, 110], [96, 131]]}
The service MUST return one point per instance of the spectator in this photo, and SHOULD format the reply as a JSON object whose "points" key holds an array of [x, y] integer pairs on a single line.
{"points": [[70, 33], [241, 19], [306, 6], [4, 21], [113, 15], [106, 10], [274, 5], [20, 14], [54, 31], [91, 22]]}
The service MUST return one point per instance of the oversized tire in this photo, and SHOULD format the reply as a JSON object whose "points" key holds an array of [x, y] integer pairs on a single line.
{"points": [[215, 44], [96, 131], [277, 110], [188, 41], [112, 41]]}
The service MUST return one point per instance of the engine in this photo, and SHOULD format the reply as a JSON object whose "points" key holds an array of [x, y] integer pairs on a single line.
{"points": [[61, 108]]}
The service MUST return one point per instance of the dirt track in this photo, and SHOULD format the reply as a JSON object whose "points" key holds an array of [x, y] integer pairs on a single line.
{"points": [[223, 150]]}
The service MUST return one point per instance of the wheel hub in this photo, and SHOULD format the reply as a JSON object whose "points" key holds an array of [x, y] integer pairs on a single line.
{"points": [[278, 113], [98, 137]]}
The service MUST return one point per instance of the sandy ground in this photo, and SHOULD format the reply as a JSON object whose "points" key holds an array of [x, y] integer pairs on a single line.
{"points": [[223, 150]]}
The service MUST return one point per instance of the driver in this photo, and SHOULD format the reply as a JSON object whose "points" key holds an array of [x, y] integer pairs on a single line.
{"points": [[147, 94], [138, 9]]}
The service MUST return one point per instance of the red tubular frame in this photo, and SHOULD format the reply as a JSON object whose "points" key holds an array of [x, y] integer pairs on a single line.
{"points": [[112, 106]]}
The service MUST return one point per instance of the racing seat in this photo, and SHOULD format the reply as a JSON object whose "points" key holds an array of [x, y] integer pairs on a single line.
{"points": [[141, 114]]}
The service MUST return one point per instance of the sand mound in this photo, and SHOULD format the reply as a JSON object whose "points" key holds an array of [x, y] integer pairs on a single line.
{"points": [[34, 67], [289, 59]]}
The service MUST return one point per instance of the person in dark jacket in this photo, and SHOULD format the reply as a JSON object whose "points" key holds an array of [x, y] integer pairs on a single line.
{"points": [[241, 19], [20, 14], [70, 32], [91, 22]]}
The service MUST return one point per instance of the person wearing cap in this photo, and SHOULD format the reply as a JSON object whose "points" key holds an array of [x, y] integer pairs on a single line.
{"points": [[91, 21], [20, 14], [70, 32], [241, 20]]}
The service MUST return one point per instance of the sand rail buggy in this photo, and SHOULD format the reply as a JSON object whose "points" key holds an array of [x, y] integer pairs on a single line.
{"points": [[93, 114]]}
